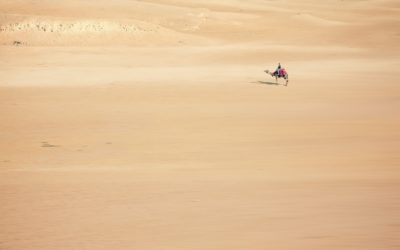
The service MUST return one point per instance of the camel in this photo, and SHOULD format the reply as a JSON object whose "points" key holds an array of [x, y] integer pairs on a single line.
{"points": [[283, 74]]}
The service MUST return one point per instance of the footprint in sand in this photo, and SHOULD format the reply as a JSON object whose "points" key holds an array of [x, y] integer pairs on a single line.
{"points": [[48, 145]]}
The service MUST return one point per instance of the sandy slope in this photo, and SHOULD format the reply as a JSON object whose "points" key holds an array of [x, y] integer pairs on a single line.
{"points": [[151, 125]]}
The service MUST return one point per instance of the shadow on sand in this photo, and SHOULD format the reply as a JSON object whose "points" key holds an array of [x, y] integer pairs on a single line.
{"points": [[268, 83]]}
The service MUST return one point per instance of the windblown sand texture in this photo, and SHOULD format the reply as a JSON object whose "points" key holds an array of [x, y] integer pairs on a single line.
{"points": [[151, 125]]}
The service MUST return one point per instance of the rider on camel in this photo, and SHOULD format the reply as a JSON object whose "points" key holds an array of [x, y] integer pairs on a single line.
{"points": [[278, 70]]}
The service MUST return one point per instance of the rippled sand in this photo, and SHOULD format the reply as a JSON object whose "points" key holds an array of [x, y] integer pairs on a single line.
{"points": [[151, 125]]}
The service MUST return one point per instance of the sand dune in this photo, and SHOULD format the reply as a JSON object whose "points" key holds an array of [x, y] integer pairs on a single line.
{"points": [[152, 125], [181, 22], [50, 31]]}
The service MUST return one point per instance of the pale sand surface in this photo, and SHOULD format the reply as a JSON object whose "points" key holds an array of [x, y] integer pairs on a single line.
{"points": [[151, 125]]}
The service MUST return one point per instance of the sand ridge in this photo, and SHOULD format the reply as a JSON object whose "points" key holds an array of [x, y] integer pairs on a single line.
{"points": [[183, 23]]}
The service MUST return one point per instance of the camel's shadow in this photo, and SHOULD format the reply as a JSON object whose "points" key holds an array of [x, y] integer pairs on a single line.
{"points": [[268, 83]]}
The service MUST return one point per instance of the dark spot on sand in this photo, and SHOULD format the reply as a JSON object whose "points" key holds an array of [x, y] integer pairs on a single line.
{"points": [[48, 145], [17, 43]]}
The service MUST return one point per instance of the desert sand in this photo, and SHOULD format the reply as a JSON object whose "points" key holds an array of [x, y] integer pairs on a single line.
{"points": [[151, 125]]}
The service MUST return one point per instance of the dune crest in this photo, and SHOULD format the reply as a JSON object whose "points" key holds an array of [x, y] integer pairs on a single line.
{"points": [[48, 31], [61, 26]]}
